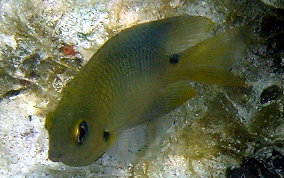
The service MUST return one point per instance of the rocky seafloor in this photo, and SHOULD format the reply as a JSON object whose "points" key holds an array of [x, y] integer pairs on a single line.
{"points": [[224, 132]]}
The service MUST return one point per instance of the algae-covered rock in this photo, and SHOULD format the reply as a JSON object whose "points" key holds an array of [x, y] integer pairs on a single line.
{"points": [[7, 83], [218, 132], [270, 94], [268, 122], [217, 137], [266, 128], [251, 168], [274, 3]]}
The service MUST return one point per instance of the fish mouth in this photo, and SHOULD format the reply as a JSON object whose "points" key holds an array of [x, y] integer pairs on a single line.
{"points": [[59, 157], [55, 156], [69, 161]]}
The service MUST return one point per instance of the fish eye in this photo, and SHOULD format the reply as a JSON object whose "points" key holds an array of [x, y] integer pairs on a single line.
{"points": [[81, 133], [106, 135]]}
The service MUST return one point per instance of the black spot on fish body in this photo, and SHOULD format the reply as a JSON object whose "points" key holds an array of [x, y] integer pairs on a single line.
{"points": [[174, 58]]}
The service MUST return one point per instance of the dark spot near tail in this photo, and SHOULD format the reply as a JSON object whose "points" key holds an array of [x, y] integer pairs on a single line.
{"points": [[106, 135], [174, 58]]}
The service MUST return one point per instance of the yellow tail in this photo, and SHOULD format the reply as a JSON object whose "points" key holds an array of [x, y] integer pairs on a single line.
{"points": [[211, 60]]}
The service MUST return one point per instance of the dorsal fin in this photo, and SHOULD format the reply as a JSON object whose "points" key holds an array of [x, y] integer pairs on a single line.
{"points": [[185, 31], [174, 34]]}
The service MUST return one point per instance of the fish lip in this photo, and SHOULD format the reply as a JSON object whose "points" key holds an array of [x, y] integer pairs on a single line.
{"points": [[55, 156], [58, 157]]}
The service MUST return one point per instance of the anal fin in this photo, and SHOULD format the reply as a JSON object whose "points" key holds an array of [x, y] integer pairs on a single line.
{"points": [[213, 75]]}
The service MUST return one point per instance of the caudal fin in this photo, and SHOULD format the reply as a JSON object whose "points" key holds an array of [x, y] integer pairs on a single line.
{"points": [[211, 60]]}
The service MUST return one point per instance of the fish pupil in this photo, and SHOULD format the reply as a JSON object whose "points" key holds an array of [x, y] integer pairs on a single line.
{"points": [[106, 135], [82, 132], [174, 58]]}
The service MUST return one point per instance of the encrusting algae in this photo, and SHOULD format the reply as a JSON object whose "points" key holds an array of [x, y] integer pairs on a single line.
{"points": [[138, 75]]}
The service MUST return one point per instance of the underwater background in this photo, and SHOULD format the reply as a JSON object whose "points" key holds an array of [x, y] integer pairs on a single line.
{"points": [[224, 132]]}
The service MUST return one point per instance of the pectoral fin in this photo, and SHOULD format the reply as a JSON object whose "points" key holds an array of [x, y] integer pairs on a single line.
{"points": [[175, 95], [171, 97]]}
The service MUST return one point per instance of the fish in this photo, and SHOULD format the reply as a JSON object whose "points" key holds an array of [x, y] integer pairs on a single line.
{"points": [[140, 74]]}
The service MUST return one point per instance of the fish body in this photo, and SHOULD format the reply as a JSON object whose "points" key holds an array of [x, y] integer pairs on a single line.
{"points": [[137, 76]]}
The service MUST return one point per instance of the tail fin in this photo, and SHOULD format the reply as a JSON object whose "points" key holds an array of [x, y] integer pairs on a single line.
{"points": [[210, 60]]}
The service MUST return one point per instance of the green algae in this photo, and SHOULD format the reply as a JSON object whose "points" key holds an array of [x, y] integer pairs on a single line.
{"points": [[6, 83], [274, 3], [216, 137], [218, 132], [268, 122]]}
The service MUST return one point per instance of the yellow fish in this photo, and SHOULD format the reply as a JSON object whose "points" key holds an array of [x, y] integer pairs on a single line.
{"points": [[137, 76]]}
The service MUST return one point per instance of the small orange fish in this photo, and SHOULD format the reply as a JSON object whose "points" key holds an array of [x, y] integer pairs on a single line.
{"points": [[68, 50]]}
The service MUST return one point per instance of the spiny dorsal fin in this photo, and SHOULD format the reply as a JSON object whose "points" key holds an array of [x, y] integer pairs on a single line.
{"points": [[174, 34]]}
